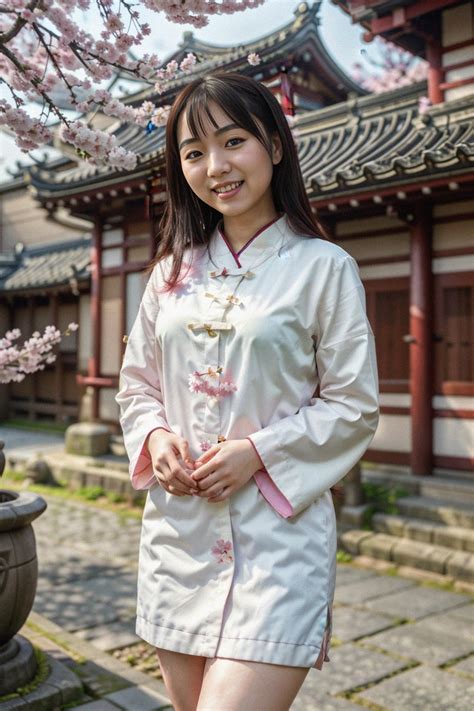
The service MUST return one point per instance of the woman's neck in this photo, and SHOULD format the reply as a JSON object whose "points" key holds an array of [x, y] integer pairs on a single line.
{"points": [[238, 230]]}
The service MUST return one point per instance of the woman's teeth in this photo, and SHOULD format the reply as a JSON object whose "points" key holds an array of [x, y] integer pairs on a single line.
{"points": [[228, 188]]}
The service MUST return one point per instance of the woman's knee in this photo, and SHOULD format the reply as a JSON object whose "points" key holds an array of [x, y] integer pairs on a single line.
{"points": [[182, 675], [236, 684]]}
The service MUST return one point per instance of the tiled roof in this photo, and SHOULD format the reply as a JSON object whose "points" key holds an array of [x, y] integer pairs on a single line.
{"points": [[290, 40], [46, 266], [365, 143], [382, 140]]}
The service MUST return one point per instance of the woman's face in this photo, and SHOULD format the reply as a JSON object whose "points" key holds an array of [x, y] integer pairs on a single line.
{"points": [[227, 167]]}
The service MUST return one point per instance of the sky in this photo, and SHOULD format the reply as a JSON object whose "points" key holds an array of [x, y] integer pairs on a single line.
{"points": [[342, 39]]}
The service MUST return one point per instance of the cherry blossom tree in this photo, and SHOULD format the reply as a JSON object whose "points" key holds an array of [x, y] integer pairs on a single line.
{"points": [[395, 67], [43, 50], [16, 362]]}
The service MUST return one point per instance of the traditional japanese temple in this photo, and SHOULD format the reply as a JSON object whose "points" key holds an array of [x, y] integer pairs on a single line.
{"points": [[394, 184]]}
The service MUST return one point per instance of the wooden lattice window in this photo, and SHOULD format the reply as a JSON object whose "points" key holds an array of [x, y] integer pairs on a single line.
{"points": [[388, 312], [454, 328]]}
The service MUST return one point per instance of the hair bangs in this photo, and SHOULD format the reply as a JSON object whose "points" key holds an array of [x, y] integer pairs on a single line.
{"points": [[198, 112]]}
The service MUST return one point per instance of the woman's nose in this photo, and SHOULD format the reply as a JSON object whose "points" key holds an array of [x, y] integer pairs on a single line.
{"points": [[217, 164]]}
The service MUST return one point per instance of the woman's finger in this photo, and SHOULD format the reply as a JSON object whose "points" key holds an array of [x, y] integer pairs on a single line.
{"points": [[205, 469], [221, 496], [183, 449], [207, 455], [213, 489], [176, 471], [211, 480]]}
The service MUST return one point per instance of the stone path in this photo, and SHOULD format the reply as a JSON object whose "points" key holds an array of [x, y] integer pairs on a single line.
{"points": [[22, 444], [397, 644]]}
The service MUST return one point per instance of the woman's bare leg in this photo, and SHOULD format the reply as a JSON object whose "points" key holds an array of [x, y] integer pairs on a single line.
{"points": [[233, 685], [182, 674]]}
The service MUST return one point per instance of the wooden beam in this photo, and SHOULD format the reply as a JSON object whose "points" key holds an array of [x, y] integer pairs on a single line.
{"points": [[401, 16]]}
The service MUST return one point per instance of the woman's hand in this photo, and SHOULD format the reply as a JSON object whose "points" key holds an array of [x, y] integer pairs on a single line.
{"points": [[165, 448], [225, 468]]}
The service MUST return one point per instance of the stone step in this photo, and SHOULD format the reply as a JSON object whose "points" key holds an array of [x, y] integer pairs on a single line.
{"points": [[455, 537], [447, 488], [80, 472], [404, 551], [439, 510]]}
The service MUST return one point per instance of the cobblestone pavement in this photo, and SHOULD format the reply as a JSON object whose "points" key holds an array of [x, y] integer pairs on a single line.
{"points": [[397, 644]]}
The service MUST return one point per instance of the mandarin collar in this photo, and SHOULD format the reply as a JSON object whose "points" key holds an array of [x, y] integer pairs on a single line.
{"points": [[265, 242]]}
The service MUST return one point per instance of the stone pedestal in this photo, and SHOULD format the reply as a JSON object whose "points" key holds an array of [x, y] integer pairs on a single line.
{"points": [[17, 664], [89, 439], [18, 577]]}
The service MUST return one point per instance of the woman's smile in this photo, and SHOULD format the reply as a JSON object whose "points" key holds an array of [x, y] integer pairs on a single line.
{"points": [[228, 190]]}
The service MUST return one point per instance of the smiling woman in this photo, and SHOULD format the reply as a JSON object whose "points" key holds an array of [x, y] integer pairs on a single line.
{"points": [[248, 389], [230, 169]]}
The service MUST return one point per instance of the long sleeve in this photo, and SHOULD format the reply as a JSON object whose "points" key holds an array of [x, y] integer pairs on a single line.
{"points": [[139, 396], [308, 452]]}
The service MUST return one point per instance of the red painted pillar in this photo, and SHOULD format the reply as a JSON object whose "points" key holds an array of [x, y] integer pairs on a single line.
{"points": [[94, 360], [421, 346], [287, 102], [434, 57]]}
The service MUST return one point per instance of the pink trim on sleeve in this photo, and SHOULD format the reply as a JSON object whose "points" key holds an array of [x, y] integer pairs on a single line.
{"points": [[270, 491], [142, 476]]}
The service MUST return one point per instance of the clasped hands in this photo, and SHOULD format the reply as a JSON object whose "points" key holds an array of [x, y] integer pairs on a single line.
{"points": [[215, 475]]}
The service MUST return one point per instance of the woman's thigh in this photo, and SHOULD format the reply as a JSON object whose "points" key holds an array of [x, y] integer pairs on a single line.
{"points": [[182, 674], [233, 684]]}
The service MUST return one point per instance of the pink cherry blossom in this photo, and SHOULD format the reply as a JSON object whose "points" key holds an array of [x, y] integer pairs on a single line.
{"points": [[16, 362], [395, 68], [222, 551], [254, 59], [44, 53]]}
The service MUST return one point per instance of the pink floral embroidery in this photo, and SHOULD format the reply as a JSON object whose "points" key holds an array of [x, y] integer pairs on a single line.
{"points": [[188, 273], [205, 445], [200, 383], [222, 551]]}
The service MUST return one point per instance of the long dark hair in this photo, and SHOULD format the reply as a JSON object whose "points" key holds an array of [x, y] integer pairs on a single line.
{"points": [[187, 220]]}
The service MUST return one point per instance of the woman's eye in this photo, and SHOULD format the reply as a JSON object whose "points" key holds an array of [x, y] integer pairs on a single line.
{"points": [[192, 154], [234, 141]]}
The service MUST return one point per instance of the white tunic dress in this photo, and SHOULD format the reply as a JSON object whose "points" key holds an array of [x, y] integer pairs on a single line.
{"points": [[272, 343]]}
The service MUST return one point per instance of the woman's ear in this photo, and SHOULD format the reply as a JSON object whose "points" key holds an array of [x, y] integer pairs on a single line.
{"points": [[277, 150]]}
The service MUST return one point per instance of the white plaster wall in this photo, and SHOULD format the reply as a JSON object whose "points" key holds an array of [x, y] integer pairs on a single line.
{"points": [[453, 437], [445, 265], [457, 24], [378, 222], [453, 208], [440, 402], [84, 333], [393, 434], [460, 73], [453, 402], [385, 271], [448, 235], [108, 408], [395, 399], [389, 246], [459, 92], [110, 356], [456, 56]]}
